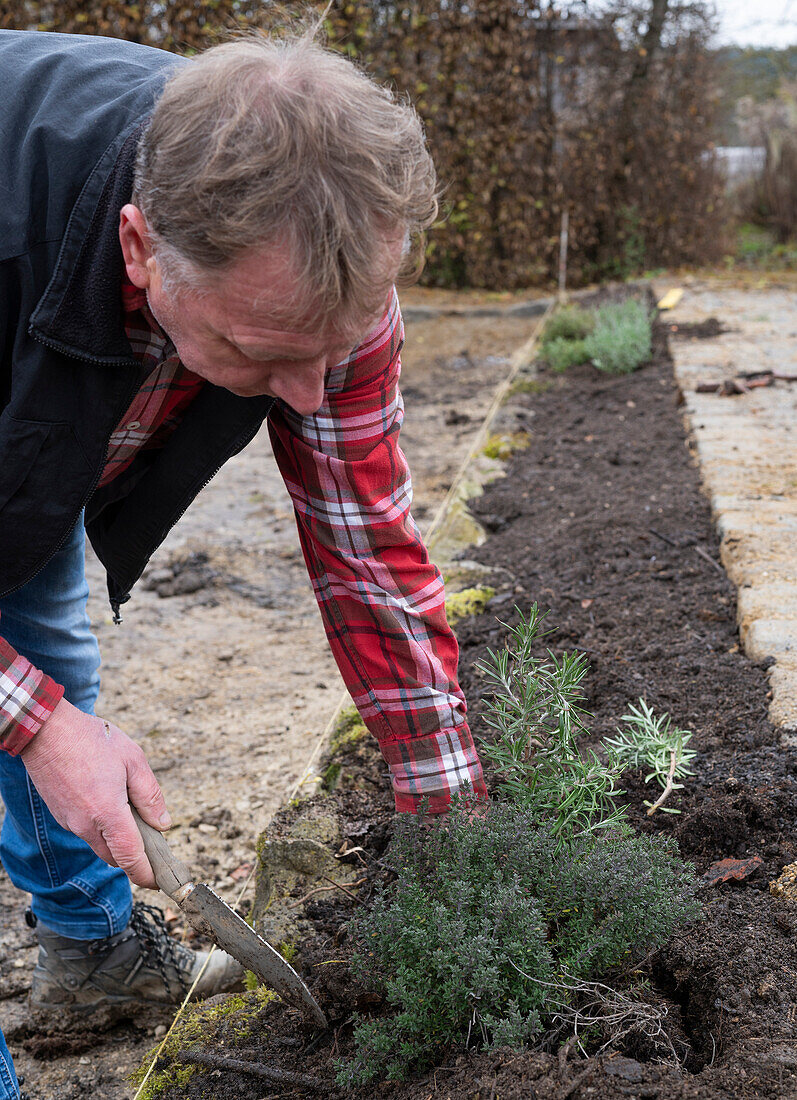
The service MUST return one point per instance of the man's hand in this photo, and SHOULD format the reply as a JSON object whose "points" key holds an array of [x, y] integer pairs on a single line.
{"points": [[86, 770]]}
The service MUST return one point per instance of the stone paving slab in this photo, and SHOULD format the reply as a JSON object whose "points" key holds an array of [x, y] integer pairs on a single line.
{"points": [[747, 449]]}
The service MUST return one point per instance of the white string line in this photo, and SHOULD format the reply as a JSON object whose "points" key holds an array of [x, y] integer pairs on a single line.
{"points": [[188, 995], [518, 360]]}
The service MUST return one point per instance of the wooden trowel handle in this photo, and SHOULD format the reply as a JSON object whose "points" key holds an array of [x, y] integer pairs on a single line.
{"points": [[170, 872]]}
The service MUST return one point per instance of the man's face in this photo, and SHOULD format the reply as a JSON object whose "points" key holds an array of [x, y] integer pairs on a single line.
{"points": [[229, 335]]}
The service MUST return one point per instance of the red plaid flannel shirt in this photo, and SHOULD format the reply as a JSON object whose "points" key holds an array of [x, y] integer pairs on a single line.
{"points": [[381, 600]]}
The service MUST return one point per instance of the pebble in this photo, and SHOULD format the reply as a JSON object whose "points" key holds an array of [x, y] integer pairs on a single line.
{"points": [[160, 1031], [205, 828]]}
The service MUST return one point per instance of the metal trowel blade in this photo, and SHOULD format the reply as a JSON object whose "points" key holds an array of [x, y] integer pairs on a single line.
{"points": [[234, 935]]}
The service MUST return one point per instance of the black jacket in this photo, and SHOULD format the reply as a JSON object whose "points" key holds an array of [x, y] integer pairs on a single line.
{"points": [[72, 110]]}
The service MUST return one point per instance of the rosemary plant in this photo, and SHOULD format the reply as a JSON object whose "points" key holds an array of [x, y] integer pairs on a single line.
{"points": [[653, 742], [537, 714]]}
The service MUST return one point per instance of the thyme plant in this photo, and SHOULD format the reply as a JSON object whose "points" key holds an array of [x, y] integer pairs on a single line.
{"points": [[561, 354], [536, 712], [653, 742], [569, 322], [491, 929], [563, 338]]}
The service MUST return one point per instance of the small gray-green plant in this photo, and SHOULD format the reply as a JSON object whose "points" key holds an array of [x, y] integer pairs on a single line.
{"points": [[653, 742], [535, 709], [568, 323], [621, 339], [563, 338], [560, 354], [491, 928]]}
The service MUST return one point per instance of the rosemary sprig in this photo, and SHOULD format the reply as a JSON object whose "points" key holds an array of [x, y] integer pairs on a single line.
{"points": [[653, 742], [536, 710]]}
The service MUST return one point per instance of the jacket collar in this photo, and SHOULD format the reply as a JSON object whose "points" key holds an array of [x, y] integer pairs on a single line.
{"points": [[80, 312]]}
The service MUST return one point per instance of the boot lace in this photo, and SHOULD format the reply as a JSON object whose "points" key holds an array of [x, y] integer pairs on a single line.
{"points": [[149, 924]]}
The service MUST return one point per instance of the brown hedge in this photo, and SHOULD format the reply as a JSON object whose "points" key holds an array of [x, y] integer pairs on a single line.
{"points": [[529, 110]]}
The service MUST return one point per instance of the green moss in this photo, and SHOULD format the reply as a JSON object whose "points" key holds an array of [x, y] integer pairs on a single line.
{"points": [[288, 950], [459, 529], [465, 574], [502, 446], [331, 776], [172, 1076], [470, 601], [525, 384], [349, 730], [201, 1023]]}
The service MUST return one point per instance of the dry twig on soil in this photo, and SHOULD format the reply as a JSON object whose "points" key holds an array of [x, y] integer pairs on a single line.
{"points": [[256, 1069], [699, 550], [743, 383], [326, 889]]}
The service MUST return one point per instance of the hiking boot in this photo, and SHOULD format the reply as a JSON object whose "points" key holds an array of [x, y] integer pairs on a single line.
{"points": [[142, 965]]}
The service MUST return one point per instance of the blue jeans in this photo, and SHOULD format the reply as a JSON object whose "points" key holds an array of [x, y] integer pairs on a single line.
{"points": [[73, 891]]}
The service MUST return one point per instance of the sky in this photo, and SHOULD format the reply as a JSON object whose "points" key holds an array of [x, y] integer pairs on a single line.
{"points": [[757, 22]]}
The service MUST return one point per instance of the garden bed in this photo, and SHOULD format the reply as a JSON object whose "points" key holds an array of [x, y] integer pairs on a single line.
{"points": [[601, 519]]}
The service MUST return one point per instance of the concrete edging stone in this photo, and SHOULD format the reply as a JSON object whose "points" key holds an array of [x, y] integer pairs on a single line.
{"points": [[747, 449]]}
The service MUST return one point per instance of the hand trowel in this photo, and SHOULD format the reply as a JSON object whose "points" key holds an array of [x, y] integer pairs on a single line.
{"points": [[214, 918]]}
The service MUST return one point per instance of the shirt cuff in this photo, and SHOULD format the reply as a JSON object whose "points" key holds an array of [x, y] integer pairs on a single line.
{"points": [[27, 699], [434, 769]]}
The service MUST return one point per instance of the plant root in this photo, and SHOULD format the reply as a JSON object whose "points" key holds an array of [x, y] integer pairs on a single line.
{"points": [[598, 1005]]}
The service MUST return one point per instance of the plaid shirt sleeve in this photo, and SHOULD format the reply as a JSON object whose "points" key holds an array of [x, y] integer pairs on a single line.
{"points": [[381, 599], [27, 699]]}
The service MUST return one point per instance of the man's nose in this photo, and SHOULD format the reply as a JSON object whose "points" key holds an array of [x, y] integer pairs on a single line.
{"points": [[302, 390]]}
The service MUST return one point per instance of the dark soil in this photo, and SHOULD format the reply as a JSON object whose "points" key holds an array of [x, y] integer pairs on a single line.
{"points": [[602, 520]]}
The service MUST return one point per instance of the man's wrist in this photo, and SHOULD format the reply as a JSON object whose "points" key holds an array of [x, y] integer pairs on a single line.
{"points": [[41, 697]]}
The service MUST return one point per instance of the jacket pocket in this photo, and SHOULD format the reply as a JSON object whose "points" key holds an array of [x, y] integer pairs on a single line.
{"points": [[21, 442], [44, 481], [42, 467]]}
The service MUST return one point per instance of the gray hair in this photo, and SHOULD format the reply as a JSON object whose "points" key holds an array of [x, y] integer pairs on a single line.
{"points": [[267, 140]]}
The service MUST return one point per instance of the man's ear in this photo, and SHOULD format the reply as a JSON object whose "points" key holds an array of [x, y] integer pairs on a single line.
{"points": [[134, 237]]}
